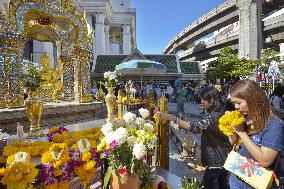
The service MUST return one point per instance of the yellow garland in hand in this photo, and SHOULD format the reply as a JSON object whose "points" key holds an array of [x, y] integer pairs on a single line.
{"points": [[230, 120]]}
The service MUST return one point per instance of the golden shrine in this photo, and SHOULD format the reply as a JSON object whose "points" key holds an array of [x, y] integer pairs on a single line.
{"points": [[55, 21]]}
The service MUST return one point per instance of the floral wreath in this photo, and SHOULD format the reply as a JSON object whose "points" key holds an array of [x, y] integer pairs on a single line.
{"points": [[20, 173], [56, 167]]}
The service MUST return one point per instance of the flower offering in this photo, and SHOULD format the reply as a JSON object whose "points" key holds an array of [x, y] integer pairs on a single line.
{"points": [[20, 172], [84, 159], [56, 167], [230, 120], [58, 135], [126, 146]]}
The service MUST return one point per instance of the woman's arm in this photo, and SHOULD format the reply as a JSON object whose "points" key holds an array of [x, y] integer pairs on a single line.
{"points": [[168, 117], [265, 156]]}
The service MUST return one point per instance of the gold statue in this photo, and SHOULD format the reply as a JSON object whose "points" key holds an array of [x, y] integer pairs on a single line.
{"points": [[100, 95], [51, 77]]}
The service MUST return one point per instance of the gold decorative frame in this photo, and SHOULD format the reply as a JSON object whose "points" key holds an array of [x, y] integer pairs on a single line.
{"points": [[14, 28]]}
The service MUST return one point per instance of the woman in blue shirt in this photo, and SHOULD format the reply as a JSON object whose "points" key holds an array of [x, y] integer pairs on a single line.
{"points": [[262, 138]]}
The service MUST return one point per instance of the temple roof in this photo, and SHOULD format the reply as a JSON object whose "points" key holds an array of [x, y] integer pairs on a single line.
{"points": [[108, 62]]}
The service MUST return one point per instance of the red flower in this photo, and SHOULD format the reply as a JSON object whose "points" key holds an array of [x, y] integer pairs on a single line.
{"points": [[123, 171]]}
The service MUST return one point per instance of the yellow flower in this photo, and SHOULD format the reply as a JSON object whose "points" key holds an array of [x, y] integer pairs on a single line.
{"points": [[86, 156], [33, 148], [107, 147], [2, 171], [19, 175], [228, 121], [57, 172], [90, 165]]}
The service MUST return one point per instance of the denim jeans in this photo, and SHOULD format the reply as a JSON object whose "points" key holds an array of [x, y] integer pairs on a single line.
{"points": [[236, 183]]}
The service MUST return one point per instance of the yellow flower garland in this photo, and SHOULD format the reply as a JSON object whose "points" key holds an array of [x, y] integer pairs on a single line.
{"points": [[56, 148], [230, 120], [32, 148], [59, 138], [56, 185], [18, 175], [92, 135], [86, 171]]}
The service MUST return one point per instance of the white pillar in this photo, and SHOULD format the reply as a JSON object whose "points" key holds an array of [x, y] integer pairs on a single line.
{"points": [[100, 34], [281, 45], [107, 46], [90, 22], [126, 39]]}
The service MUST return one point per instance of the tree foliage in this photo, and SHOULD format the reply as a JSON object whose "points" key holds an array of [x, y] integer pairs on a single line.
{"points": [[229, 66]]}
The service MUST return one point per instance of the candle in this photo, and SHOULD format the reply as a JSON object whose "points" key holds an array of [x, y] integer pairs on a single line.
{"points": [[20, 130]]}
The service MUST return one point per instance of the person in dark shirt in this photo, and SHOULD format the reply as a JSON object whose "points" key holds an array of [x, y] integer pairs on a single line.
{"points": [[215, 146]]}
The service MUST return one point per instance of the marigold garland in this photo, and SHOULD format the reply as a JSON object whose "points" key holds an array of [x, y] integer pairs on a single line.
{"points": [[32, 148], [84, 160], [18, 175], [56, 168], [58, 135], [92, 135], [61, 155], [230, 120]]}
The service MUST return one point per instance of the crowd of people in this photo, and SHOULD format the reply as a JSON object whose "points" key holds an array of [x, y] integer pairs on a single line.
{"points": [[261, 135]]}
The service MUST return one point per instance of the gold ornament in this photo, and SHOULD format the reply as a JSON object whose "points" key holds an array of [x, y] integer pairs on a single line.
{"points": [[110, 103]]}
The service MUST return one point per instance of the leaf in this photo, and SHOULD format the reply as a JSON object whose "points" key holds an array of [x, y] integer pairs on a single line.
{"points": [[122, 179], [107, 176]]}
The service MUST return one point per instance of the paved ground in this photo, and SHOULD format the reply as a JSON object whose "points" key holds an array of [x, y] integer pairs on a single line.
{"points": [[178, 164]]}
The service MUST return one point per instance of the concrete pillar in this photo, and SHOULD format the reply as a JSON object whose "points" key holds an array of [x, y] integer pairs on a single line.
{"points": [[126, 39], [250, 32], [107, 46], [100, 34]]}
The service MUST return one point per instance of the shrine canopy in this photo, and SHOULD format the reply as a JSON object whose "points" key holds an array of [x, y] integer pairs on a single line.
{"points": [[140, 67]]}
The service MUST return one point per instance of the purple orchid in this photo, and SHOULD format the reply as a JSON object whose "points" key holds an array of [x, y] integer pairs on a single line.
{"points": [[60, 130], [113, 144]]}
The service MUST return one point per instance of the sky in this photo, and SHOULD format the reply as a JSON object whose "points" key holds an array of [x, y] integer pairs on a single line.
{"points": [[158, 21]]}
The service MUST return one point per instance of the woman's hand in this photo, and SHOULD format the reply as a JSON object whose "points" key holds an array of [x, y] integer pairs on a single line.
{"points": [[166, 117], [240, 130], [234, 139], [183, 124]]}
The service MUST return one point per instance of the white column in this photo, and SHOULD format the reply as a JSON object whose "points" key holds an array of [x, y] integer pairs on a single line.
{"points": [[90, 22], [281, 45], [100, 34], [107, 46], [126, 39]]}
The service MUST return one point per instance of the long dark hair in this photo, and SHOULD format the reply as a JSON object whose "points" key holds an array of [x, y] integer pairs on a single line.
{"points": [[259, 109], [214, 98]]}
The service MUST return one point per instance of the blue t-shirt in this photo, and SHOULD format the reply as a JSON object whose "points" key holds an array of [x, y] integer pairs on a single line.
{"points": [[271, 137]]}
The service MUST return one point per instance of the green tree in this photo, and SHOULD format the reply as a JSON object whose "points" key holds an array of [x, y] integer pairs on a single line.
{"points": [[267, 55], [229, 66]]}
